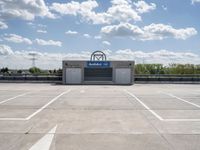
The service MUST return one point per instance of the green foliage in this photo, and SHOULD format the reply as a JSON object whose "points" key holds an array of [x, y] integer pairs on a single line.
{"points": [[58, 72], [35, 70], [170, 69], [4, 70], [177, 69], [19, 71]]}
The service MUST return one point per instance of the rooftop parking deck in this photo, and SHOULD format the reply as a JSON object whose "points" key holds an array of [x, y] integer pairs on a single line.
{"points": [[138, 117]]}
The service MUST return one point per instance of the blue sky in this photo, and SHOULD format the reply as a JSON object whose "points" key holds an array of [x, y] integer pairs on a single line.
{"points": [[124, 29]]}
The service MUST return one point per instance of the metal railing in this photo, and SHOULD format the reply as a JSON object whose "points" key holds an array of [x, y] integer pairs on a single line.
{"points": [[31, 77], [168, 77], [138, 77]]}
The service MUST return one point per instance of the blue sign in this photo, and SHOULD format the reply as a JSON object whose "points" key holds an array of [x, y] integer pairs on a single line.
{"points": [[100, 64]]}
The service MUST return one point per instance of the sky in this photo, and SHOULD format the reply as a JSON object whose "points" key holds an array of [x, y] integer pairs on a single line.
{"points": [[147, 31]]}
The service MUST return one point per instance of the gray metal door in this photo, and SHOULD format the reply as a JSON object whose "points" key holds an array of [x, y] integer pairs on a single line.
{"points": [[73, 76], [123, 75]]}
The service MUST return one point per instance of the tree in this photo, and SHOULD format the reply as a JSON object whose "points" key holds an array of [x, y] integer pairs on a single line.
{"points": [[4, 70], [35, 70], [179, 69], [19, 71]]}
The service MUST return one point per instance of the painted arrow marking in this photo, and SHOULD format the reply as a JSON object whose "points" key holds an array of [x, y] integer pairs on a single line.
{"points": [[45, 142]]}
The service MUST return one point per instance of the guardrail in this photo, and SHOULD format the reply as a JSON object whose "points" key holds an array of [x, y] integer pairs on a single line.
{"points": [[30, 77], [58, 78], [167, 75], [170, 78]]}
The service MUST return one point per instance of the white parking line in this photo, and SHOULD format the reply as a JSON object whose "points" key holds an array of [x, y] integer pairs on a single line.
{"points": [[39, 110], [53, 100], [45, 142], [181, 120], [14, 97], [13, 119], [151, 111], [158, 116], [171, 95]]}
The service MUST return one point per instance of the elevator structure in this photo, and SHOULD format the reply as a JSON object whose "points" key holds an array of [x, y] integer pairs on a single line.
{"points": [[98, 70]]}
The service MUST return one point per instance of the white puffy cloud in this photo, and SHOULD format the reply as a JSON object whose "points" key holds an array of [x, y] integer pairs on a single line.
{"points": [[121, 30], [5, 50], [41, 31], [97, 37], [44, 60], [122, 11], [48, 42], [119, 11], [17, 39], [161, 31], [13, 59], [143, 7], [106, 43], [150, 32], [160, 56], [33, 25], [69, 32], [3, 25], [84, 9], [120, 2], [70, 8], [195, 1], [24, 9], [41, 25], [30, 23], [87, 35]]}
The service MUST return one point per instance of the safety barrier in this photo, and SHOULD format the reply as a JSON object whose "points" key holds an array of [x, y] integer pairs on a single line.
{"points": [[167, 78], [58, 78], [30, 78]]}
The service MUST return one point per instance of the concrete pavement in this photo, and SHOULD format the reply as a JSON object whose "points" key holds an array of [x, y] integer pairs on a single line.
{"points": [[138, 117]]}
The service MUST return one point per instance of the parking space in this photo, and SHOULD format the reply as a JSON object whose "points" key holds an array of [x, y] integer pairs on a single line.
{"points": [[145, 117]]}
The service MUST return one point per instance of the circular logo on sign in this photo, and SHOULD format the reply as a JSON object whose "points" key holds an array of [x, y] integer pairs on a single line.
{"points": [[98, 56]]}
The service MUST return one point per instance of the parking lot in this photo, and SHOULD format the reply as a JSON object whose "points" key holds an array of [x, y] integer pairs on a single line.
{"points": [[92, 117]]}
